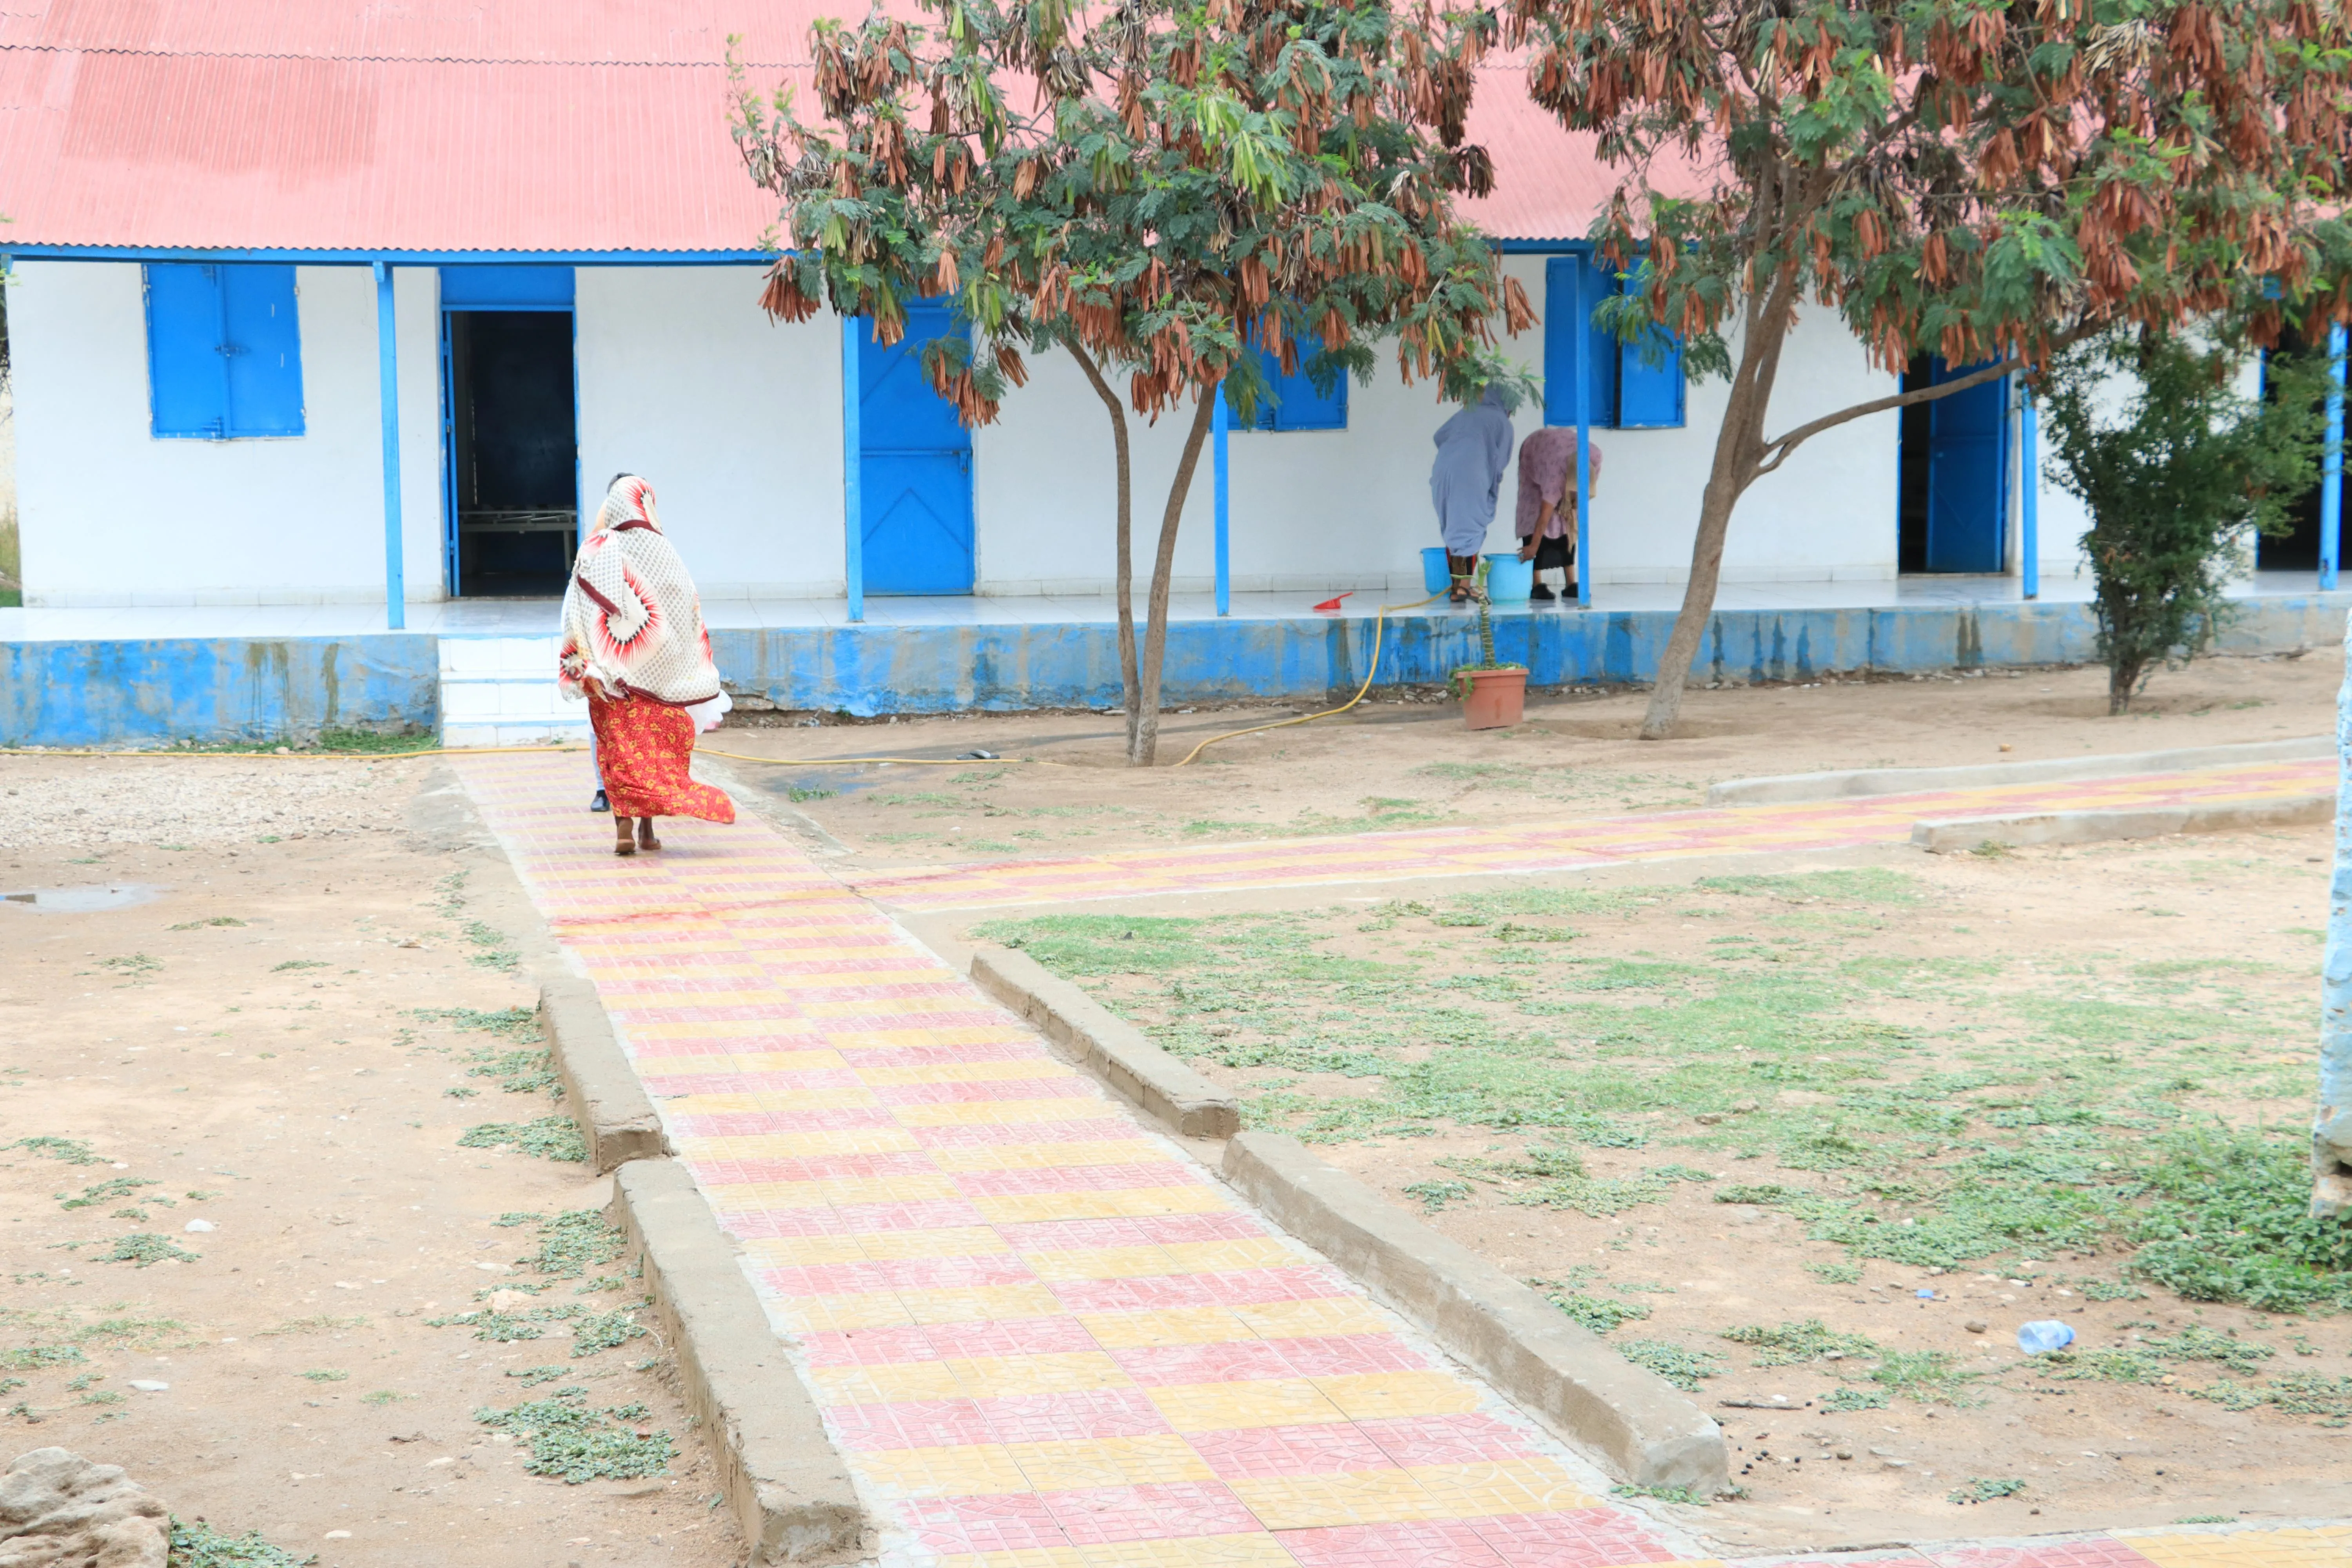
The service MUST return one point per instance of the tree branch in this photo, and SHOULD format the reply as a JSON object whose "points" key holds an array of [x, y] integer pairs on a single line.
{"points": [[1776, 451]]}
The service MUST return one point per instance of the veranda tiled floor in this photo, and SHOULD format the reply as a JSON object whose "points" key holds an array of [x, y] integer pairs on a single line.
{"points": [[1043, 1336]]}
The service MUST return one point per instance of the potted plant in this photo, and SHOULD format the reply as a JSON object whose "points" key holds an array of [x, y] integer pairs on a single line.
{"points": [[1494, 694]]}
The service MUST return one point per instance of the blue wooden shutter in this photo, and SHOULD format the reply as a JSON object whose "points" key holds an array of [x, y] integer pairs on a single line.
{"points": [[187, 375], [1574, 346], [1650, 395], [264, 350], [1296, 404]]}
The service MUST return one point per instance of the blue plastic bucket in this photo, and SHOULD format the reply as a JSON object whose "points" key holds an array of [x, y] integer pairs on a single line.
{"points": [[1435, 577], [1510, 579]]}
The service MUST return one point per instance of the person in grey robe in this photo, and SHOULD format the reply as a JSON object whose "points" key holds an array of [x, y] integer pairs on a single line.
{"points": [[1473, 447]]}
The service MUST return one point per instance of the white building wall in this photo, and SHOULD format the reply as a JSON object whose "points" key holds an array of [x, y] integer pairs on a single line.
{"points": [[110, 515], [1315, 509], [736, 422]]}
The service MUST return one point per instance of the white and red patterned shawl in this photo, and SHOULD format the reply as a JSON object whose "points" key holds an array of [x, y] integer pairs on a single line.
{"points": [[631, 617]]}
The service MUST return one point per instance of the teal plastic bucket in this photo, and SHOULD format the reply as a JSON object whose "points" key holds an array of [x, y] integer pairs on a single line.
{"points": [[1434, 578], [1510, 579]]}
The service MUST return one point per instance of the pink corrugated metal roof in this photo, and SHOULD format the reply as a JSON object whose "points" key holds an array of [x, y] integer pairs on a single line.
{"points": [[466, 125]]}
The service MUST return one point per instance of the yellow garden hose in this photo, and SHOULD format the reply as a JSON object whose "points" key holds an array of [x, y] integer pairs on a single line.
{"points": [[1380, 624]]}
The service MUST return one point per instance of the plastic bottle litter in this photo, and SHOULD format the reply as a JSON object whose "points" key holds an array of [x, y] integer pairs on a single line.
{"points": [[1925, 1295], [2049, 1334]]}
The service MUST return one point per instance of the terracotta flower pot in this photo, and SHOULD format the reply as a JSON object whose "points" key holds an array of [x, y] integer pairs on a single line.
{"points": [[1492, 699]]}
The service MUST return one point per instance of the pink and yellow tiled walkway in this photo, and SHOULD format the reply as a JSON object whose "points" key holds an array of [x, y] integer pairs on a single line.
{"points": [[1567, 844], [1043, 1336]]}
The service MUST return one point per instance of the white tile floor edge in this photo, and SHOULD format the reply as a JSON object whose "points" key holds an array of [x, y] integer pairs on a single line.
{"points": [[503, 619]]}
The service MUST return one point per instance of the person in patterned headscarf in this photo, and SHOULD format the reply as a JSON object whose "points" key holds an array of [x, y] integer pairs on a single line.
{"points": [[636, 648]]}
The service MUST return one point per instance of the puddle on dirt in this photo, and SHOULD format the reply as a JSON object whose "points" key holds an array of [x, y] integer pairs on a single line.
{"points": [[83, 901]]}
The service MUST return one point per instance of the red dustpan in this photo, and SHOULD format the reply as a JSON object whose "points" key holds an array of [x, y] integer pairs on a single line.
{"points": [[1334, 603]]}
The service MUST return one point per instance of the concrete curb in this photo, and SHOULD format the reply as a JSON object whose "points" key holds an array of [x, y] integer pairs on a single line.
{"points": [[1106, 1045], [1641, 1429], [787, 1485], [1789, 788], [1950, 836], [601, 1089]]}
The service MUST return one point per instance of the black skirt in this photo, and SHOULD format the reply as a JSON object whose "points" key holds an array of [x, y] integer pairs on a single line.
{"points": [[1551, 553]]}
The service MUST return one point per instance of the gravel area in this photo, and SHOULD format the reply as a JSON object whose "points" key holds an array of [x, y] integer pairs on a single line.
{"points": [[196, 801]]}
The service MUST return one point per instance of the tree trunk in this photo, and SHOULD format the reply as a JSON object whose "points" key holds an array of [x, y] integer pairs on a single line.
{"points": [[1131, 688], [1155, 631], [1738, 452], [2123, 678]]}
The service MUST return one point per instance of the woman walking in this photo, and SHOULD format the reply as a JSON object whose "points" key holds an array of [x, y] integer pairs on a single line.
{"points": [[634, 646]]}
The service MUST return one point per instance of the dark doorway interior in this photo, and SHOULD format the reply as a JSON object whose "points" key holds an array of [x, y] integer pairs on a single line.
{"points": [[513, 453], [2298, 551], [1911, 508]]}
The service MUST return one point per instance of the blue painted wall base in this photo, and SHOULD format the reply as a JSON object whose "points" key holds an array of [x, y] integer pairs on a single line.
{"points": [[216, 688], [870, 670], [154, 692]]}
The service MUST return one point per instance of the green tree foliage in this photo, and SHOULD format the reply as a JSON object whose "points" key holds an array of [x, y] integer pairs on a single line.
{"points": [[1156, 188], [2179, 470], [1990, 180]]}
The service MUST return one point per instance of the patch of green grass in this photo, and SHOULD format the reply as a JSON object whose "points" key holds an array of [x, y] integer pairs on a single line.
{"points": [[199, 925], [574, 1442], [373, 742], [1845, 1273], [72, 1151], [1924, 1376], [1683, 1495], [318, 1324], [573, 1243], [133, 964], [144, 1247], [2231, 1222], [532, 1376], [2207, 1518], [1436, 1194], [2290, 1393], [27, 1358], [803, 792], [1795, 1344], [606, 1332], [199, 1545], [2150, 1360], [1679, 1365], [297, 964], [513, 1023], [105, 1192], [1598, 1313], [385, 1396], [1850, 1399], [1978, 1489], [1868, 885], [322, 1375], [518, 1072], [549, 1137]]}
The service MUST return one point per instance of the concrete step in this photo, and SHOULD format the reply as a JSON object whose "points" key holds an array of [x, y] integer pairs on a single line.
{"points": [[502, 691]]}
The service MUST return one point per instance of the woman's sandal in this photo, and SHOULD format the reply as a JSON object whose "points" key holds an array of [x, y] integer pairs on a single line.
{"points": [[625, 844], [646, 839]]}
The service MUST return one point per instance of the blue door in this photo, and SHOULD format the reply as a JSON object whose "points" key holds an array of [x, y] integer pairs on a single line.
{"points": [[913, 465], [1967, 476]]}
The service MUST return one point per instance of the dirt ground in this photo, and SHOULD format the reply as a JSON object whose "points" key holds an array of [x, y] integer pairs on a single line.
{"points": [[233, 1062], [1908, 1103], [1396, 764]]}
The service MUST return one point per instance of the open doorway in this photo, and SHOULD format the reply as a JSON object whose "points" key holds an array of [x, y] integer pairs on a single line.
{"points": [[1952, 504], [513, 454], [2297, 551]]}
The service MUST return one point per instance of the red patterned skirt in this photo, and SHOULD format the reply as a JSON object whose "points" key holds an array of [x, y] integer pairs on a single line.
{"points": [[643, 749]]}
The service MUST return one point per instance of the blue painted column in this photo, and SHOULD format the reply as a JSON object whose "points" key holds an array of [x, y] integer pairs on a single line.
{"points": [[2331, 1135], [2030, 501], [1583, 448], [388, 370], [853, 499], [2331, 487], [1220, 422]]}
